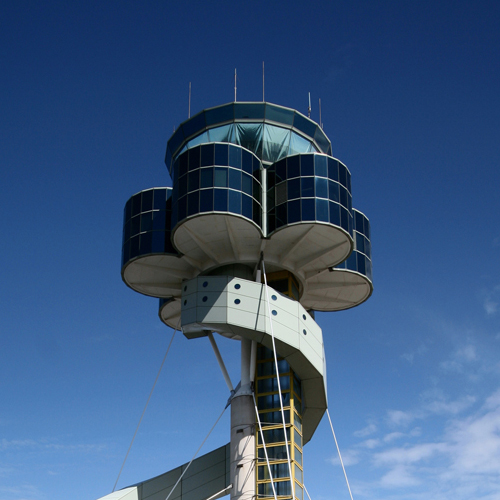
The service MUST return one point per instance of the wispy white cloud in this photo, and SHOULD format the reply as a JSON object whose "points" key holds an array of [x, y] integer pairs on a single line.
{"points": [[398, 417], [410, 356], [366, 431], [462, 463], [399, 477], [349, 457], [491, 299]]}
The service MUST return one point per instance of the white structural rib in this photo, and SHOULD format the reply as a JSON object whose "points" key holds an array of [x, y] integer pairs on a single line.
{"points": [[292, 248], [202, 245]]}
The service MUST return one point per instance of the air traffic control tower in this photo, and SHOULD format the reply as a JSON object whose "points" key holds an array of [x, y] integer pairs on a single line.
{"points": [[257, 233]]}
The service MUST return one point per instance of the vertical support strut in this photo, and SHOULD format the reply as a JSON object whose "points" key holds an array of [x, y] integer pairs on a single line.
{"points": [[242, 447]]}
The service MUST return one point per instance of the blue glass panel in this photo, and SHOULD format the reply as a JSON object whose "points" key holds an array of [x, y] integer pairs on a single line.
{"points": [[350, 224], [159, 220], [358, 222], [343, 196], [333, 191], [183, 185], [334, 213], [281, 216], [136, 204], [293, 167], [221, 154], [271, 179], [220, 178], [257, 213], [207, 177], [249, 136], [235, 179], [271, 222], [220, 114], [246, 184], [349, 188], [193, 180], [344, 219], [307, 187], [333, 169], [146, 243], [360, 242], [220, 200], [194, 125], [276, 143], [256, 164], [293, 211], [298, 144], [247, 161], [147, 200], [158, 244], [322, 210], [194, 159], [206, 200], [234, 157], [168, 160], [146, 222], [126, 231], [246, 206], [320, 165], [134, 247], [199, 139], [304, 125], [367, 228], [351, 262], [182, 208], [361, 263], [322, 140], [207, 155], [257, 191], [342, 175], [306, 165], [321, 187], [128, 210], [279, 115], [369, 270], [235, 201], [159, 199], [135, 225], [281, 171], [249, 111], [293, 188], [307, 207], [193, 203], [182, 163], [221, 134], [176, 140]]}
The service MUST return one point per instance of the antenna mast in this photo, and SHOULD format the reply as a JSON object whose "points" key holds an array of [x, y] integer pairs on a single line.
{"points": [[234, 84], [309, 108], [189, 105], [320, 122], [263, 81]]}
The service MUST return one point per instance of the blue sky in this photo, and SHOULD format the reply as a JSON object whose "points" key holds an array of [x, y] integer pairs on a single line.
{"points": [[90, 93]]}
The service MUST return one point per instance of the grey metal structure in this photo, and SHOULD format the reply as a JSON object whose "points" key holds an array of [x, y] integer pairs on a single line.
{"points": [[255, 189]]}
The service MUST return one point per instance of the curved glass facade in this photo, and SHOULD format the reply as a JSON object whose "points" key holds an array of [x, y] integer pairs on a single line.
{"points": [[309, 188], [217, 178], [360, 259], [269, 131], [147, 223]]}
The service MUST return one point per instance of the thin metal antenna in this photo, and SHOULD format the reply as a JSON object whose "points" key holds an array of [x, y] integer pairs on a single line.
{"points": [[263, 100], [189, 106], [320, 122], [234, 84], [309, 108]]}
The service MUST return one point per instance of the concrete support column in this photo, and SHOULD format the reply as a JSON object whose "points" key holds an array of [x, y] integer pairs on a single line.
{"points": [[242, 448]]}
